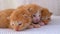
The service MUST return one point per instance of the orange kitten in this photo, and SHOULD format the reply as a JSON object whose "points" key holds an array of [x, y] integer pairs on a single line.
{"points": [[4, 17], [20, 19]]}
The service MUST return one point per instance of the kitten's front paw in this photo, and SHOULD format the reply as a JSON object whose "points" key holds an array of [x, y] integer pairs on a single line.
{"points": [[31, 26], [42, 23], [36, 26]]}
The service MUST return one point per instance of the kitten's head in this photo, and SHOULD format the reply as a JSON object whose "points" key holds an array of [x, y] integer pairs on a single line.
{"points": [[45, 16], [35, 11], [20, 19]]}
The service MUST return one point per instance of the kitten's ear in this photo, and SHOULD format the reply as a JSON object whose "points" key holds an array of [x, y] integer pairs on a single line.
{"points": [[29, 9], [51, 13], [42, 10]]}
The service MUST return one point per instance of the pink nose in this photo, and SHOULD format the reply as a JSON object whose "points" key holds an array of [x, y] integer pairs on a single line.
{"points": [[17, 29], [37, 20]]}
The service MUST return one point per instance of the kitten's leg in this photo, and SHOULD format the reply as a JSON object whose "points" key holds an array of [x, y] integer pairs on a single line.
{"points": [[41, 23], [36, 25]]}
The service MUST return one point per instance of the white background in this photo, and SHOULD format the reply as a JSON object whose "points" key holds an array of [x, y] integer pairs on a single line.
{"points": [[53, 5]]}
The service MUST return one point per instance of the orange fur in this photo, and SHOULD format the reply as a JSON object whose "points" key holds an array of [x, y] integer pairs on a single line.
{"points": [[32, 8], [46, 15], [4, 15]]}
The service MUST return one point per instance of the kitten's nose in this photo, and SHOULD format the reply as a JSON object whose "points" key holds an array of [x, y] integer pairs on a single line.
{"points": [[17, 28], [37, 20]]}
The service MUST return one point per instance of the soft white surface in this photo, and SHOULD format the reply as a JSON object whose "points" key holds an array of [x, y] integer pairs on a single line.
{"points": [[52, 28]]}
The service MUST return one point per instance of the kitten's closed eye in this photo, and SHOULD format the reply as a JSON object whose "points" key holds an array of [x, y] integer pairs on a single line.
{"points": [[49, 18], [34, 16], [19, 23], [16, 23], [39, 15], [12, 24]]}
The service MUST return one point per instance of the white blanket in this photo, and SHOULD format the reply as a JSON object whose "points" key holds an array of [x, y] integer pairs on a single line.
{"points": [[52, 28]]}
